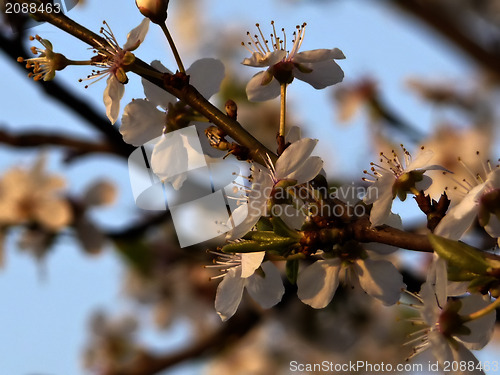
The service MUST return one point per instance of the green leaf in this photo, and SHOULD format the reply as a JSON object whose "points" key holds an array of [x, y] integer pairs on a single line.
{"points": [[252, 246], [460, 255], [281, 229]]}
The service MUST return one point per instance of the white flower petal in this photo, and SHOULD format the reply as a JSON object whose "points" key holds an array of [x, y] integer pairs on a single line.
{"points": [[422, 159], [292, 217], [250, 262], [317, 55], [440, 347], [155, 94], [141, 122], [169, 160], [382, 205], [380, 279], [259, 60], [324, 74], [266, 291], [243, 222], [229, 293], [482, 328], [309, 169], [383, 184], [137, 35], [294, 156], [294, 134], [459, 218], [434, 291], [256, 92], [424, 184], [463, 355], [113, 93], [206, 75], [318, 282], [493, 226]]}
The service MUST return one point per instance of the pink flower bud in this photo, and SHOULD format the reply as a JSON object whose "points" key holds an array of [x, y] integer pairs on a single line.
{"points": [[155, 10]]}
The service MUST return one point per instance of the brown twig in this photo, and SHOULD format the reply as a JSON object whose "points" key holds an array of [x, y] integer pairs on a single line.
{"points": [[40, 139], [237, 327]]}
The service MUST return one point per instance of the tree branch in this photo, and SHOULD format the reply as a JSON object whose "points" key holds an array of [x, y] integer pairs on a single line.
{"points": [[39, 139], [441, 20], [233, 330]]}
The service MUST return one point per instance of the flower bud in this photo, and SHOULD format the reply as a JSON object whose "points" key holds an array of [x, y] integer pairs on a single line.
{"points": [[155, 10]]}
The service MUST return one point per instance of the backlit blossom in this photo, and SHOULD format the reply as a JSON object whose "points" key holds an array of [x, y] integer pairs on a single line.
{"points": [[113, 62], [264, 286], [482, 201], [142, 121], [380, 279], [445, 334], [45, 65], [295, 166], [394, 178], [316, 67], [32, 196]]}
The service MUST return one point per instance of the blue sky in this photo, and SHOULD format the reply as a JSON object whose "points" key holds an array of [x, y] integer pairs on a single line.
{"points": [[44, 318]]}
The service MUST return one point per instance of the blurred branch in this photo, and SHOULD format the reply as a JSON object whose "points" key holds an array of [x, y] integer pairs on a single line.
{"points": [[14, 48], [233, 330], [39, 139], [445, 22]]}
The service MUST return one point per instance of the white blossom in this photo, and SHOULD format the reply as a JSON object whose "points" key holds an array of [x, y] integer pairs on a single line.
{"points": [[113, 61], [316, 67], [142, 121], [380, 279], [448, 338], [295, 165], [481, 202], [264, 286], [394, 178]]}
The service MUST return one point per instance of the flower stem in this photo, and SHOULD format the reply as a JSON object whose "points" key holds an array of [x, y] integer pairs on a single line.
{"points": [[173, 47], [79, 62], [283, 111], [479, 314]]}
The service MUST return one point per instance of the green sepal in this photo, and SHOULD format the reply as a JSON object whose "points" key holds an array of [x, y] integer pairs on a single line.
{"points": [[481, 284], [264, 224], [457, 274], [292, 270], [261, 236], [281, 229], [252, 246], [460, 255]]}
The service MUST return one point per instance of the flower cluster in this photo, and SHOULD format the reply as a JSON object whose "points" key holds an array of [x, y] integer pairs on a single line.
{"points": [[288, 227], [445, 325]]}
